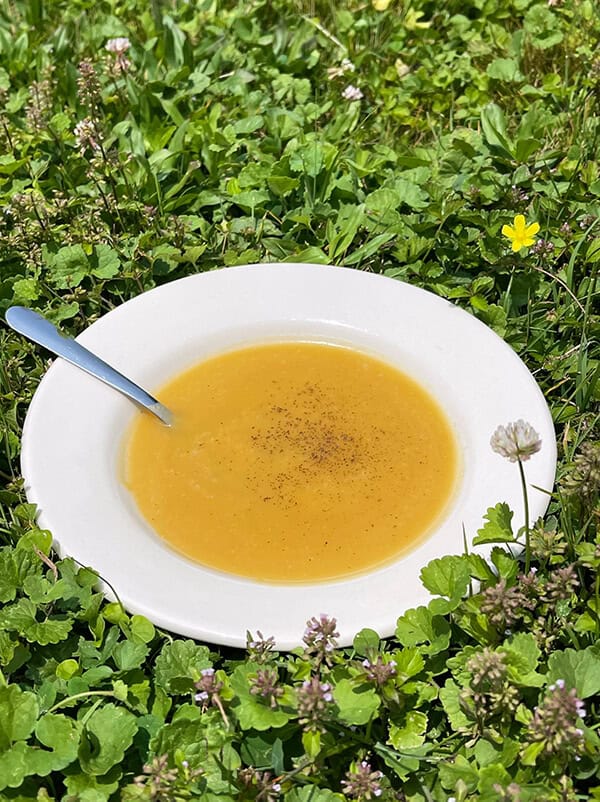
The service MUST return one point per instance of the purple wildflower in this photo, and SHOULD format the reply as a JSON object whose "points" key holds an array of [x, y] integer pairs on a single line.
{"points": [[362, 782]]}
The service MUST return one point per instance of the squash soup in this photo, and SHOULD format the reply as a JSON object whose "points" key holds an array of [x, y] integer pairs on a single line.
{"points": [[293, 462]]}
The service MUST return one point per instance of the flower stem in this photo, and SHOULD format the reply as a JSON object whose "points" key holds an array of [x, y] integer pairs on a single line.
{"points": [[526, 508]]}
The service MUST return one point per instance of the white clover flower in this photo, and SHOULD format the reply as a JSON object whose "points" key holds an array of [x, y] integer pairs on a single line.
{"points": [[337, 72], [118, 46], [352, 93], [516, 441]]}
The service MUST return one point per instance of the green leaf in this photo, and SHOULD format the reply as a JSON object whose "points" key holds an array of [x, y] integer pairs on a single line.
{"points": [[204, 743], [18, 714], [505, 563], [449, 697], [411, 733], [447, 576], [368, 248], [493, 125], [179, 664], [366, 641], [490, 777], [7, 648], [498, 526], [410, 194], [25, 291], [409, 663], [142, 630], [87, 788], [523, 655], [106, 263], [282, 185], [579, 670], [311, 793], [480, 568], [61, 734], [68, 266], [9, 579], [13, 765], [311, 743], [505, 69], [531, 753], [356, 707], [382, 201], [108, 734], [128, 655], [420, 626], [543, 27], [459, 769], [250, 124], [21, 617]]}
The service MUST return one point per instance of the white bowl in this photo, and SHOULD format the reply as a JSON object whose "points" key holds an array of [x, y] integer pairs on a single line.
{"points": [[75, 428]]}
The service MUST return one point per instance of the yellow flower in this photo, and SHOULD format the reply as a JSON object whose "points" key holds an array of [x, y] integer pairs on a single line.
{"points": [[520, 234], [380, 5]]}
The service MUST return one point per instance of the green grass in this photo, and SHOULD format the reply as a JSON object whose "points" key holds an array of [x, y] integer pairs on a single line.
{"points": [[226, 141]]}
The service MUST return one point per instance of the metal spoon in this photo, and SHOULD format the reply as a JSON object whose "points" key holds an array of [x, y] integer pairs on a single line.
{"points": [[41, 331]]}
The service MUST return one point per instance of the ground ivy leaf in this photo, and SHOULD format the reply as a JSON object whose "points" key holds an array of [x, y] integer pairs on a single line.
{"points": [[447, 576], [411, 733], [21, 617], [480, 568], [530, 753], [523, 655], [9, 581], [108, 734], [18, 714], [356, 707], [507, 566], [204, 744], [128, 655], [179, 665], [366, 641], [87, 788], [142, 630], [40, 539], [490, 777], [459, 769], [420, 626], [487, 752], [61, 734], [409, 663], [105, 261], [310, 793], [68, 266], [449, 697], [7, 648], [13, 766], [498, 526], [579, 670]]}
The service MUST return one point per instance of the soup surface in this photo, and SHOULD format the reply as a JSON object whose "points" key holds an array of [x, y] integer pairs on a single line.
{"points": [[293, 462]]}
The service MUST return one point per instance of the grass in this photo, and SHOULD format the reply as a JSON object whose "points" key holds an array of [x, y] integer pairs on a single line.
{"points": [[221, 136]]}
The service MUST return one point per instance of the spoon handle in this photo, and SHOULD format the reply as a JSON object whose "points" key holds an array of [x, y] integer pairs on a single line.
{"points": [[41, 331]]}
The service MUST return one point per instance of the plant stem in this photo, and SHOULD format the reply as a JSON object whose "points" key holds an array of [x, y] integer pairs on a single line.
{"points": [[526, 508], [76, 696]]}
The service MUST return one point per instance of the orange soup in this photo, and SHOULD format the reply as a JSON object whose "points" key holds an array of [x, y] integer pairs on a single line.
{"points": [[293, 462]]}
